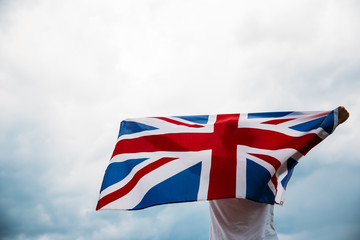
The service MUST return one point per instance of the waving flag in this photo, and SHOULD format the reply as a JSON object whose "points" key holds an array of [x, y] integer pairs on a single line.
{"points": [[160, 160]]}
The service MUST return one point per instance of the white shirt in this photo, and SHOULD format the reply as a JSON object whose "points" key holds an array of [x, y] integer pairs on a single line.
{"points": [[241, 219]]}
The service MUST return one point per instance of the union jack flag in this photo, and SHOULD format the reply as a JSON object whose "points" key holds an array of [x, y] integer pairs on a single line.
{"points": [[160, 160]]}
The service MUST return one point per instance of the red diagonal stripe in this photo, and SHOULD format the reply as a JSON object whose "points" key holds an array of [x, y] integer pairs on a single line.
{"points": [[320, 115], [178, 122], [278, 121], [311, 143], [269, 159], [132, 183], [275, 182]]}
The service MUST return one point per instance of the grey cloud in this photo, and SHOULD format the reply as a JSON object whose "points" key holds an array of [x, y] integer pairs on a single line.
{"points": [[319, 197]]}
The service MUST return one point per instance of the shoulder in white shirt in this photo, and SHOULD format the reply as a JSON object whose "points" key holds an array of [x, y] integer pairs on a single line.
{"points": [[241, 219]]}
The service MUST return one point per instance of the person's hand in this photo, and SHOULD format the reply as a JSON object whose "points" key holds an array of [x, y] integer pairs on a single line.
{"points": [[343, 114]]}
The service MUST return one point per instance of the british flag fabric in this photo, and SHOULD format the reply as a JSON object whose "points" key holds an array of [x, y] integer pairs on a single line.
{"points": [[159, 160]]}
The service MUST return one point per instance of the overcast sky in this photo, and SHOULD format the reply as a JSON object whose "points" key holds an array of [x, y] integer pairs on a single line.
{"points": [[71, 70]]}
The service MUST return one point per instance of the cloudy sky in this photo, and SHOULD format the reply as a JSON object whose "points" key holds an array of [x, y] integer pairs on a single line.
{"points": [[71, 70]]}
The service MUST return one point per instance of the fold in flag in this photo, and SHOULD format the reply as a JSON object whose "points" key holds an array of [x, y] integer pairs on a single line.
{"points": [[160, 160]]}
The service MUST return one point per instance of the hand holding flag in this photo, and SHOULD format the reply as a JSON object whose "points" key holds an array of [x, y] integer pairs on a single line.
{"points": [[343, 114]]}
